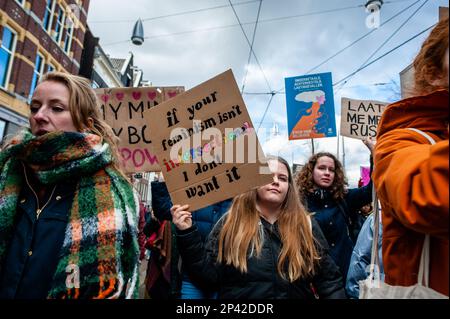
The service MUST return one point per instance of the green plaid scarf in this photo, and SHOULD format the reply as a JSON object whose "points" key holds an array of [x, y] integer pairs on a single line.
{"points": [[99, 256]]}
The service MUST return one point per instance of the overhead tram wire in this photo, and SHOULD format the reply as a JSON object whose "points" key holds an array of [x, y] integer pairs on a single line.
{"points": [[342, 50], [259, 65], [388, 52], [237, 25], [265, 112], [271, 20], [256, 59], [370, 63], [260, 93], [201, 10], [251, 47], [396, 1], [382, 45], [350, 87], [360, 38], [176, 14]]}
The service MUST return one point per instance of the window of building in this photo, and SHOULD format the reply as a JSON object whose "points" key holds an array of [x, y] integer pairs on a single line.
{"points": [[12, 129], [21, 2], [2, 130], [68, 36], [37, 73], [59, 27], [95, 85], [50, 67], [7, 48], [48, 15]]}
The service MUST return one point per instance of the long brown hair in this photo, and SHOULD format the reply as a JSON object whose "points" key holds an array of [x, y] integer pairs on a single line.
{"points": [[428, 64], [84, 110], [241, 234], [305, 180]]}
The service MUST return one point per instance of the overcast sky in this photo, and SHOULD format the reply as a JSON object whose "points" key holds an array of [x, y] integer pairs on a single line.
{"points": [[292, 37]]}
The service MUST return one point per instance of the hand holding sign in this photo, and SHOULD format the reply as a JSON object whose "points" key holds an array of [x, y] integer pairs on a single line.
{"points": [[370, 143], [181, 217]]}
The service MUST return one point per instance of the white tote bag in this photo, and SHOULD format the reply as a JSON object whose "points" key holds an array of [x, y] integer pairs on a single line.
{"points": [[374, 288]]}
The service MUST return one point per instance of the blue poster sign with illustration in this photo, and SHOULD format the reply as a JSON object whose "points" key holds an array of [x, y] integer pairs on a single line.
{"points": [[310, 106]]}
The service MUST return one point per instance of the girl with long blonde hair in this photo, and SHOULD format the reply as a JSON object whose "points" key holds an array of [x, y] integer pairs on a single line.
{"points": [[266, 246]]}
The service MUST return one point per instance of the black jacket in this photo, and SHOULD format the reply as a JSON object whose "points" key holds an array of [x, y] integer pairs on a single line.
{"points": [[262, 280]]}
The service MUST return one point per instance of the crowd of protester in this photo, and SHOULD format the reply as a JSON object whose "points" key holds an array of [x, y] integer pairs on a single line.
{"points": [[67, 208]]}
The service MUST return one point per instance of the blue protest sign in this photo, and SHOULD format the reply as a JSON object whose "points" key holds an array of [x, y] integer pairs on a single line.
{"points": [[310, 106]]}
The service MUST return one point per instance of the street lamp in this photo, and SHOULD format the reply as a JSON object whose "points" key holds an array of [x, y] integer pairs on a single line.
{"points": [[373, 5], [138, 33]]}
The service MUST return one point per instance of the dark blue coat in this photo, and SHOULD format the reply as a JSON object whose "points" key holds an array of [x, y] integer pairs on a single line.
{"points": [[34, 251], [161, 202], [204, 218], [335, 217]]}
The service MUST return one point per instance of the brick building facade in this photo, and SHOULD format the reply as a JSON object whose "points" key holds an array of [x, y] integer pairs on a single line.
{"points": [[36, 36]]}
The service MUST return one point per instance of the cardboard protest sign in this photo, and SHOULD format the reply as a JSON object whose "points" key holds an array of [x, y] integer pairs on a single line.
{"points": [[310, 106], [359, 118], [206, 144], [123, 109]]}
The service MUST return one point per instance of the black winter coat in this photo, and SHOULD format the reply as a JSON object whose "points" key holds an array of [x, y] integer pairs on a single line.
{"points": [[262, 280]]}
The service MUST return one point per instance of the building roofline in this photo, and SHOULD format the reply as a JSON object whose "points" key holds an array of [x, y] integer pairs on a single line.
{"points": [[126, 63]]}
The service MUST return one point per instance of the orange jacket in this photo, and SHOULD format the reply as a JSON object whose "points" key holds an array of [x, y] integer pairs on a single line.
{"points": [[411, 177]]}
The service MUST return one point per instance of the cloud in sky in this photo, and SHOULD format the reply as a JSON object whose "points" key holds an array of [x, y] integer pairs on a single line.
{"points": [[292, 37]]}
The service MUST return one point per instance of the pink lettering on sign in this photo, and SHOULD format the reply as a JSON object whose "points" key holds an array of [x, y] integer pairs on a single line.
{"points": [[136, 95], [137, 157], [151, 95], [120, 96]]}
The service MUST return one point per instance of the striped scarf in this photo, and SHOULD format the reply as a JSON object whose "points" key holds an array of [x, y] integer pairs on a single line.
{"points": [[99, 255]]}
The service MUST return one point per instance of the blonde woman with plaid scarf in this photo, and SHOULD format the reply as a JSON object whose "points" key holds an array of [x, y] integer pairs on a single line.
{"points": [[68, 215]]}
